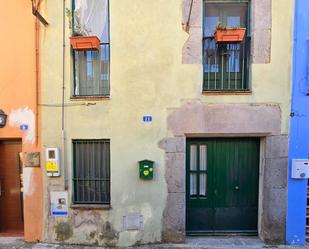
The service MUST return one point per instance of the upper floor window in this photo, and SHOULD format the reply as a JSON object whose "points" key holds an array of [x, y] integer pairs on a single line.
{"points": [[226, 64], [91, 67]]}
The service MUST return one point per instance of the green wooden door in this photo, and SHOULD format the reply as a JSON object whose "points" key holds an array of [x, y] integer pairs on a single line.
{"points": [[222, 185]]}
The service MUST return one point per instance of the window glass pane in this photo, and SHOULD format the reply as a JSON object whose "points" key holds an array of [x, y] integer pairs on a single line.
{"points": [[233, 21], [211, 24], [92, 72], [233, 64], [93, 16], [104, 70], [203, 185], [228, 14], [203, 157], [210, 56], [211, 19], [193, 157], [234, 14], [193, 184]]}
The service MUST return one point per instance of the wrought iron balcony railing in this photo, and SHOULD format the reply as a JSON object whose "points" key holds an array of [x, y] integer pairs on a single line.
{"points": [[226, 65]]}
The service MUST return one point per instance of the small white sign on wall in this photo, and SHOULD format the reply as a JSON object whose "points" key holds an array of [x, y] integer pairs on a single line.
{"points": [[133, 222], [300, 168], [59, 204]]}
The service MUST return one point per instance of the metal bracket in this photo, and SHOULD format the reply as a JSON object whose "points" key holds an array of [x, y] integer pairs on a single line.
{"points": [[36, 13]]}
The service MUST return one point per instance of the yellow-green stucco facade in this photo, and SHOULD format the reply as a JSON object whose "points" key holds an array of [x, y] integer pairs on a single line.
{"points": [[149, 76]]}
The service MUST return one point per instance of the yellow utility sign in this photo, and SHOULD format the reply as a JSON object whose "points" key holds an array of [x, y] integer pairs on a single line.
{"points": [[52, 166]]}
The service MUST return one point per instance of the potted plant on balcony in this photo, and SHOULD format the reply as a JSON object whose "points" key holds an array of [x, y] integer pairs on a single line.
{"points": [[80, 39], [229, 35]]}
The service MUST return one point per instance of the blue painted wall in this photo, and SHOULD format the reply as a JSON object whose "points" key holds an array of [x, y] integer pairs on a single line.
{"points": [[299, 133]]}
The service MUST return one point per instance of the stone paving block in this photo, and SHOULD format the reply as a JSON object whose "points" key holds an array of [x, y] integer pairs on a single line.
{"points": [[261, 31], [196, 13], [174, 218], [199, 118], [261, 46], [261, 14], [191, 52], [275, 173], [277, 146], [173, 144], [274, 215], [175, 172]]}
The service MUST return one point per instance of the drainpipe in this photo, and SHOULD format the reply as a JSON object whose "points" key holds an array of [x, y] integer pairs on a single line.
{"points": [[39, 17], [37, 55], [65, 170]]}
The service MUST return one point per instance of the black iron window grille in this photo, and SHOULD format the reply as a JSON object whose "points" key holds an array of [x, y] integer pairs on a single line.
{"points": [[91, 171]]}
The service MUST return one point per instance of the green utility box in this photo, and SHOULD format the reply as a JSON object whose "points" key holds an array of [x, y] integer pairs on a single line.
{"points": [[146, 169]]}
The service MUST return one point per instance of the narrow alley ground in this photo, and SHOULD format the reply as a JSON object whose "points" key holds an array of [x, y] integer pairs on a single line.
{"points": [[191, 243]]}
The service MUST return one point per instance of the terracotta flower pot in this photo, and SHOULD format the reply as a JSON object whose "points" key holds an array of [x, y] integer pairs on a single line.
{"points": [[85, 42], [230, 35]]}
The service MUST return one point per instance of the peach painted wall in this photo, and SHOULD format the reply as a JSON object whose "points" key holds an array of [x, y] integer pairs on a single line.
{"points": [[18, 100]]}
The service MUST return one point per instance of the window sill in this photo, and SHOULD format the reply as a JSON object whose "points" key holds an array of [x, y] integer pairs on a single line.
{"points": [[91, 98], [219, 92], [91, 206]]}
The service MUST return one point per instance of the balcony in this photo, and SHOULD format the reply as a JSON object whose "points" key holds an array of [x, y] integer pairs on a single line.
{"points": [[226, 66]]}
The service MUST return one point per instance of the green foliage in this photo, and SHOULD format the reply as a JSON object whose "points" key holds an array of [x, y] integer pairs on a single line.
{"points": [[222, 27], [78, 29]]}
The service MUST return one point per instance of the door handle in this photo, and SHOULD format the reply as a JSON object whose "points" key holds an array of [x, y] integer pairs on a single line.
{"points": [[2, 192], [236, 187]]}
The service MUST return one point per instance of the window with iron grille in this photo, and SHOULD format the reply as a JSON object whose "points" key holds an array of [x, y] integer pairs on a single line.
{"points": [[226, 65], [92, 68], [91, 171]]}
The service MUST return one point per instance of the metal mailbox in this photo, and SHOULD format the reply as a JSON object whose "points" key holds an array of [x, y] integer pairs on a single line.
{"points": [[146, 169]]}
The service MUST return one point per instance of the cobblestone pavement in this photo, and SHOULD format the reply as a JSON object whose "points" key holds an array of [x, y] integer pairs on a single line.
{"points": [[191, 243]]}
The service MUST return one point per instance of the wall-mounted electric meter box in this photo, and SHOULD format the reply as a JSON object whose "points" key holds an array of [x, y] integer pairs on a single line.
{"points": [[52, 165], [300, 168]]}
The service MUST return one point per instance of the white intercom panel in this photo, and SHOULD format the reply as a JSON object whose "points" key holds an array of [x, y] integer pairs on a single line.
{"points": [[52, 164], [59, 203], [300, 168]]}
